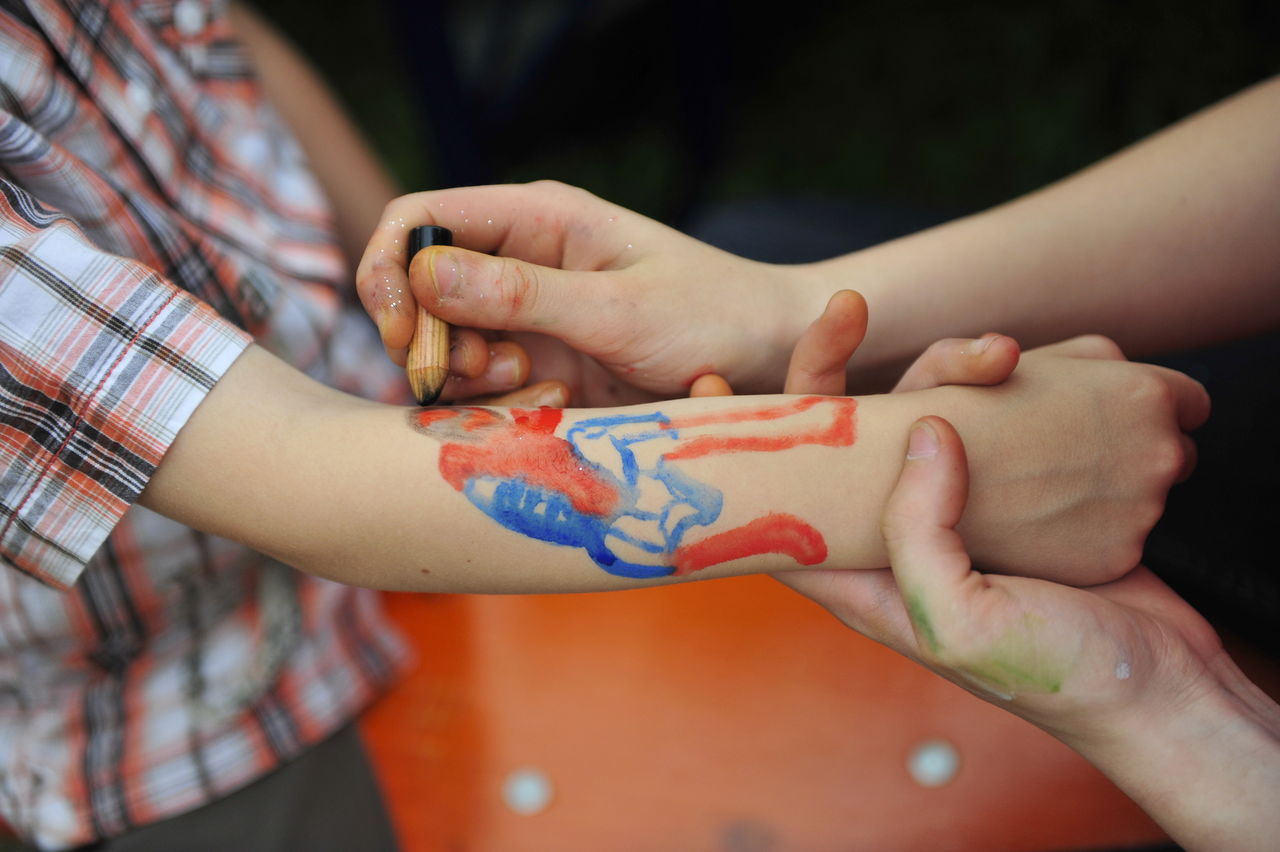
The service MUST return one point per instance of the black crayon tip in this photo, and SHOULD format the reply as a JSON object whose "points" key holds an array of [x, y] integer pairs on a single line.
{"points": [[429, 398], [428, 235]]}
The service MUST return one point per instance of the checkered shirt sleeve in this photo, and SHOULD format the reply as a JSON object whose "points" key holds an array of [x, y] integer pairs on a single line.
{"points": [[101, 363]]}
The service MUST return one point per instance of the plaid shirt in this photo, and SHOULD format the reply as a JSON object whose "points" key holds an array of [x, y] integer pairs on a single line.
{"points": [[154, 217]]}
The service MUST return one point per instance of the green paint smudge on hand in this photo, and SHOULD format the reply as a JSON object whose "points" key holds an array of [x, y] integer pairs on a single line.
{"points": [[920, 618], [1011, 677]]}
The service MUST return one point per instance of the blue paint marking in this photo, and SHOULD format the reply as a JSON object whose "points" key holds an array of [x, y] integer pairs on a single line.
{"points": [[548, 515]]}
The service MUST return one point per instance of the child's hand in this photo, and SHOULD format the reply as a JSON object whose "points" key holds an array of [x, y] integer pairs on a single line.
{"points": [[1073, 454]]}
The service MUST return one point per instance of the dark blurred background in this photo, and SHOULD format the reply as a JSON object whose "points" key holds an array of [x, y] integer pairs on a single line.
{"points": [[670, 107]]}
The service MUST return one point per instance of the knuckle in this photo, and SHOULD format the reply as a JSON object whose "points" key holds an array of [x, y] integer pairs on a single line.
{"points": [[549, 185], [1168, 457], [1100, 346], [559, 191], [556, 189], [1147, 389], [938, 352], [518, 284]]}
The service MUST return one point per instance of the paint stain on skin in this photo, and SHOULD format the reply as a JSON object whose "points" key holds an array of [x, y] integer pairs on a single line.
{"points": [[609, 488], [774, 533], [840, 432], [1019, 661], [524, 449], [919, 615], [1010, 677]]}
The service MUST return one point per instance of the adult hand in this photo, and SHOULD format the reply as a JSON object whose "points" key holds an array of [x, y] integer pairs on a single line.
{"points": [[1126, 672], [621, 307]]}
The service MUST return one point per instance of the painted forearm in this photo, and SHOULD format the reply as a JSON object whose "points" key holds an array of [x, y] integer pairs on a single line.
{"points": [[636, 491], [510, 500], [542, 499], [505, 500]]}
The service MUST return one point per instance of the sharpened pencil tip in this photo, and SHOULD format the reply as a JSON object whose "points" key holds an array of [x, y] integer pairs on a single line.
{"points": [[429, 396]]}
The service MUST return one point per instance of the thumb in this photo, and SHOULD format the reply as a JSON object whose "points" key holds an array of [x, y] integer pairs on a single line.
{"points": [[468, 288], [927, 554], [823, 351]]}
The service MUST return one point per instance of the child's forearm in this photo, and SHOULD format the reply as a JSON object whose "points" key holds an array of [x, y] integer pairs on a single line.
{"points": [[510, 500], [1071, 460]]}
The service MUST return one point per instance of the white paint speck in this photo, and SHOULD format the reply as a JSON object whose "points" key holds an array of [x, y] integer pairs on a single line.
{"points": [[933, 763], [527, 791]]}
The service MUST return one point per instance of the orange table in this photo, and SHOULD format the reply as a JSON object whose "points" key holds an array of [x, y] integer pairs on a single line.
{"points": [[730, 715]]}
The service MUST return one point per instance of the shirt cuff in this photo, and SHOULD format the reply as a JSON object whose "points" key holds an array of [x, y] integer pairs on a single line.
{"points": [[103, 363]]}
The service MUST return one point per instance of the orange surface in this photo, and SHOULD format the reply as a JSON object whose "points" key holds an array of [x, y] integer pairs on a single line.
{"points": [[731, 715]]}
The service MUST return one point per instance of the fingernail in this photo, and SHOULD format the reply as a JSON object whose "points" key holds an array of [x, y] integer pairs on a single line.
{"points": [[446, 275], [504, 369], [554, 397], [982, 344], [923, 442]]}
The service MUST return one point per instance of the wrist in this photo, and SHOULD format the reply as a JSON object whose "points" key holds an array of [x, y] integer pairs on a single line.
{"points": [[790, 298], [1205, 765], [891, 342]]}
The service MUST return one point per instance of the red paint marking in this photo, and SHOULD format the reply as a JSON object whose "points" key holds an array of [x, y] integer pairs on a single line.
{"points": [[430, 416], [774, 533], [471, 418], [543, 419], [840, 432], [523, 449]]}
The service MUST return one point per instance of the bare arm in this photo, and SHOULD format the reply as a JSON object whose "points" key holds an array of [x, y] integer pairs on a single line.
{"points": [[459, 499], [1169, 244], [352, 177]]}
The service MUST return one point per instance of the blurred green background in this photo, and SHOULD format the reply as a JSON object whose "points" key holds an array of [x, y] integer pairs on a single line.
{"points": [[667, 107]]}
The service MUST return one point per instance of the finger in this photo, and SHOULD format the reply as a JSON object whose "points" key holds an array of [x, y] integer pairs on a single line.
{"points": [[469, 353], [553, 394], [823, 351], [1193, 404], [710, 385], [988, 360], [505, 368], [1189, 457], [1192, 400], [545, 223], [478, 290], [927, 555], [1085, 346]]}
